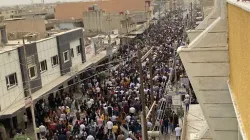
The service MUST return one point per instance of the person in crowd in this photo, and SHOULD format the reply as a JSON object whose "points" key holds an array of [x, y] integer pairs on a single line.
{"points": [[178, 132]]}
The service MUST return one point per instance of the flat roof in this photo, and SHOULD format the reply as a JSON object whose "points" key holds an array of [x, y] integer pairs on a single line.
{"points": [[68, 31], [12, 19], [243, 5]]}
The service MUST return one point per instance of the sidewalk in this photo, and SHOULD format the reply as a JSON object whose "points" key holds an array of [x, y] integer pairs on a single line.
{"points": [[196, 124]]}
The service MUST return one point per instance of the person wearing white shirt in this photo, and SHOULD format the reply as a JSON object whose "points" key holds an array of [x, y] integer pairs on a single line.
{"points": [[98, 90], [90, 137], [113, 118], [122, 91], [132, 110], [89, 104], [82, 126], [149, 125], [187, 96], [42, 130], [110, 126], [25, 120], [138, 85], [128, 118], [178, 132]]}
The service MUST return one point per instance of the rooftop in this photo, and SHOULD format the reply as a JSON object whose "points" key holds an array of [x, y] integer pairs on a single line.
{"points": [[243, 5], [12, 19], [31, 13]]}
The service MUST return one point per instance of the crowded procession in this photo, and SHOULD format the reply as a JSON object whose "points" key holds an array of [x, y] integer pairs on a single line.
{"points": [[106, 103]]}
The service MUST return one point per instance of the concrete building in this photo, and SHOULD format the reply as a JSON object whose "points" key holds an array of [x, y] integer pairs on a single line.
{"points": [[67, 24], [8, 13], [238, 47], [216, 61], [38, 14], [100, 22], [76, 9], [50, 62], [17, 27]]}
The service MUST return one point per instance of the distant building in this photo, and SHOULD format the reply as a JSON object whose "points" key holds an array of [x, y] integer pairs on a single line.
{"points": [[8, 13], [17, 27], [39, 14], [97, 21], [66, 24], [76, 9]]}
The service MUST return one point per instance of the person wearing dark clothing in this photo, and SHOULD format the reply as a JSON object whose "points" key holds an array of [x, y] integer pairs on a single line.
{"points": [[176, 120], [165, 123], [62, 137], [110, 111]]}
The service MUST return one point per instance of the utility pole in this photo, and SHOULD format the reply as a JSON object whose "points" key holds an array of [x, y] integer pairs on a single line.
{"points": [[191, 15], [171, 5], [127, 32], [151, 87], [144, 121], [109, 48], [29, 91]]}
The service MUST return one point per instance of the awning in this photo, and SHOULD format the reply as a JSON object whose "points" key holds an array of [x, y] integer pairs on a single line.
{"points": [[128, 36], [13, 109], [137, 32]]}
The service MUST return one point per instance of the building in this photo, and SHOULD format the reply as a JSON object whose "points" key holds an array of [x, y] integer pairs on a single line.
{"points": [[76, 9], [98, 21], [8, 13], [30, 14], [50, 63], [216, 61], [18, 27], [66, 24]]}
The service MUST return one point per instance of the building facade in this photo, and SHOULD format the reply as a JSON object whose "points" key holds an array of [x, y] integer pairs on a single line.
{"points": [[216, 61], [238, 44], [44, 65], [100, 22]]}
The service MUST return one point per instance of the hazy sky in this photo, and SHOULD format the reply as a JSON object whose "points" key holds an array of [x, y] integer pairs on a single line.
{"points": [[16, 2]]}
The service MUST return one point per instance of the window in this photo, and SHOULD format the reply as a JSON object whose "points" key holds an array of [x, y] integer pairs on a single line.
{"points": [[32, 72], [11, 80], [72, 52], [66, 56], [78, 48], [54, 60], [43, 66]]}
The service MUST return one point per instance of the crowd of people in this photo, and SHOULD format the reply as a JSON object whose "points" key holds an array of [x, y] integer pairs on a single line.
{"points": [[111, 101]]}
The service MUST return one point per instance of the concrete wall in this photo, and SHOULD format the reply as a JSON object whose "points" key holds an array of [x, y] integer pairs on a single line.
{"points": [[76, 9], [90, 51], [46, 49], [98, 21], [64, 43], [8, 13], [31, 51], [239, 50], [9, 64], [77, 59], [26, 26]]}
